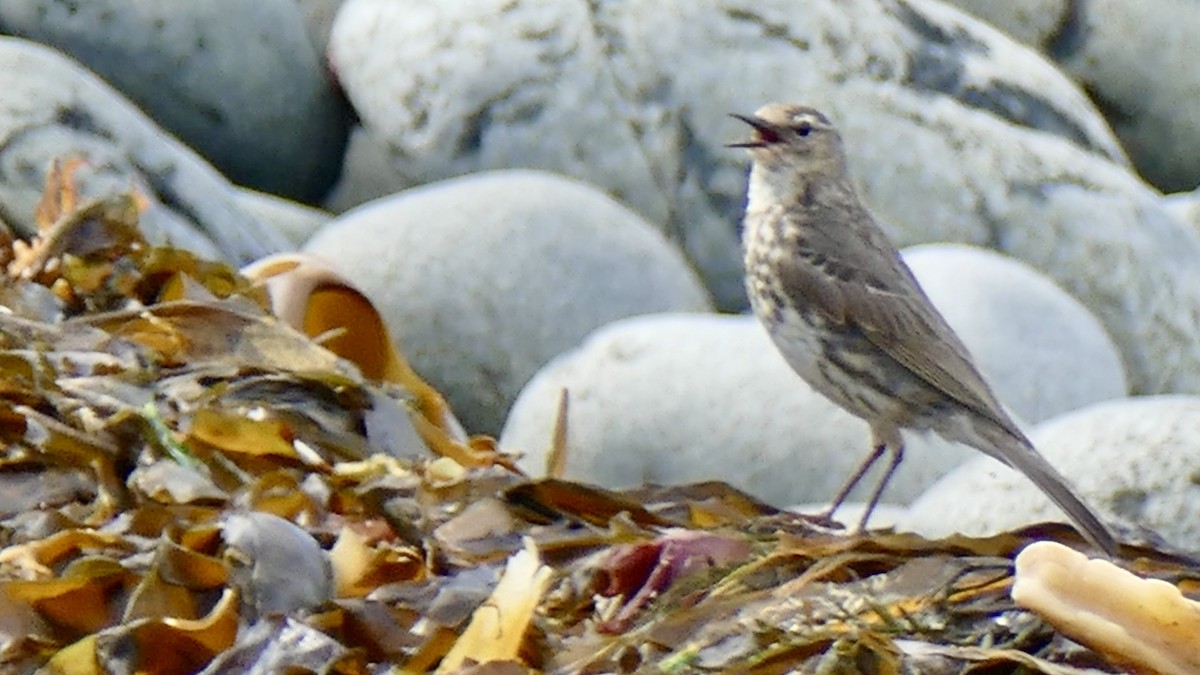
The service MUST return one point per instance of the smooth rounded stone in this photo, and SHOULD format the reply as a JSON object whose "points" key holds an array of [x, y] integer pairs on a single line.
{"points": [[1136, 60], [52, 108], [1043, 353], [1038, 347], [367, 172], [1139, 59], [296, 222], [485, 278], [640, 106], [492, 84], [283, 570], [676, 398], [240, 82], [1033, 22], [1133, 458], [955, 132], [1131, 262]]}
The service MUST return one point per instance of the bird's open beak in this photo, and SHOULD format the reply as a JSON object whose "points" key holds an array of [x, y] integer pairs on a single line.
{"points": [[764, 134]]}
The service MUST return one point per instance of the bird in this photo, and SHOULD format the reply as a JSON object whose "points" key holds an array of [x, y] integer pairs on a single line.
{"points": [[851, 320]]}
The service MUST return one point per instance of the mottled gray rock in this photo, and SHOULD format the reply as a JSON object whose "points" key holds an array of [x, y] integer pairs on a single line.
{"points": [[1129, 260], [1132, 458], [485, 278], [609, 95], [1138, 59], [1035, 22], [367, 172], [51, 107], [296, 222], [674, 398], [955, 132], [1042, 350], [238, 81], [493, 84]]}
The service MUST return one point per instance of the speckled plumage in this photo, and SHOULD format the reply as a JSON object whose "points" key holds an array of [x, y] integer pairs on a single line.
{"points": [[850, 318]]}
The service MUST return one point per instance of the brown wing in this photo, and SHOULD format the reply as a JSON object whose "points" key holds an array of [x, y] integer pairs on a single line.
{"points": [[870, 288]]}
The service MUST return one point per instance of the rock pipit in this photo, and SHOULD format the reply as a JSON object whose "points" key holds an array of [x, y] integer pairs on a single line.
{"points": [[850, 318]]}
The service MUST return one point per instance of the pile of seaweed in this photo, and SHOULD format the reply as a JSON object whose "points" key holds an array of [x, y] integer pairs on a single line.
{"points": [[206, 470]]}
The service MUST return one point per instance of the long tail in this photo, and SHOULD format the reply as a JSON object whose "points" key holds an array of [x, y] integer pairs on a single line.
{"points": [[1014, 449]]}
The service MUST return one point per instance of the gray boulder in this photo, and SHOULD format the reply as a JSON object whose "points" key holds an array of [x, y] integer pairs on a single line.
{"points": [[485, 278], [239, 82], [1133, 459], [676, 398], [955, 132], [296, 222], [1041, 350], [1035, 22], [1136, 59], [53, 109]]}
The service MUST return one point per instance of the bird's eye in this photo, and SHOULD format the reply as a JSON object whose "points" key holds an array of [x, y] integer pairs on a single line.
{"points": [[804, 128]]}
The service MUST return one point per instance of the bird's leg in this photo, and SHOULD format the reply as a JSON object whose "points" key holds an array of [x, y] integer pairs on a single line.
{"points": [[897, 456], [855, 477]]}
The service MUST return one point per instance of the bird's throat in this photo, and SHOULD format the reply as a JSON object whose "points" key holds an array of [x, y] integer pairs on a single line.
{"points": [[771, 187]]}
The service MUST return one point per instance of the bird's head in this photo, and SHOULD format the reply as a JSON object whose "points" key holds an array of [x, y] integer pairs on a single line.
{"points": [[792, 137]]}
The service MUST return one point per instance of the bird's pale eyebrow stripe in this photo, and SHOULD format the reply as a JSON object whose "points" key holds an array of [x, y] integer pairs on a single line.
{"points": [[813, 117]]}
